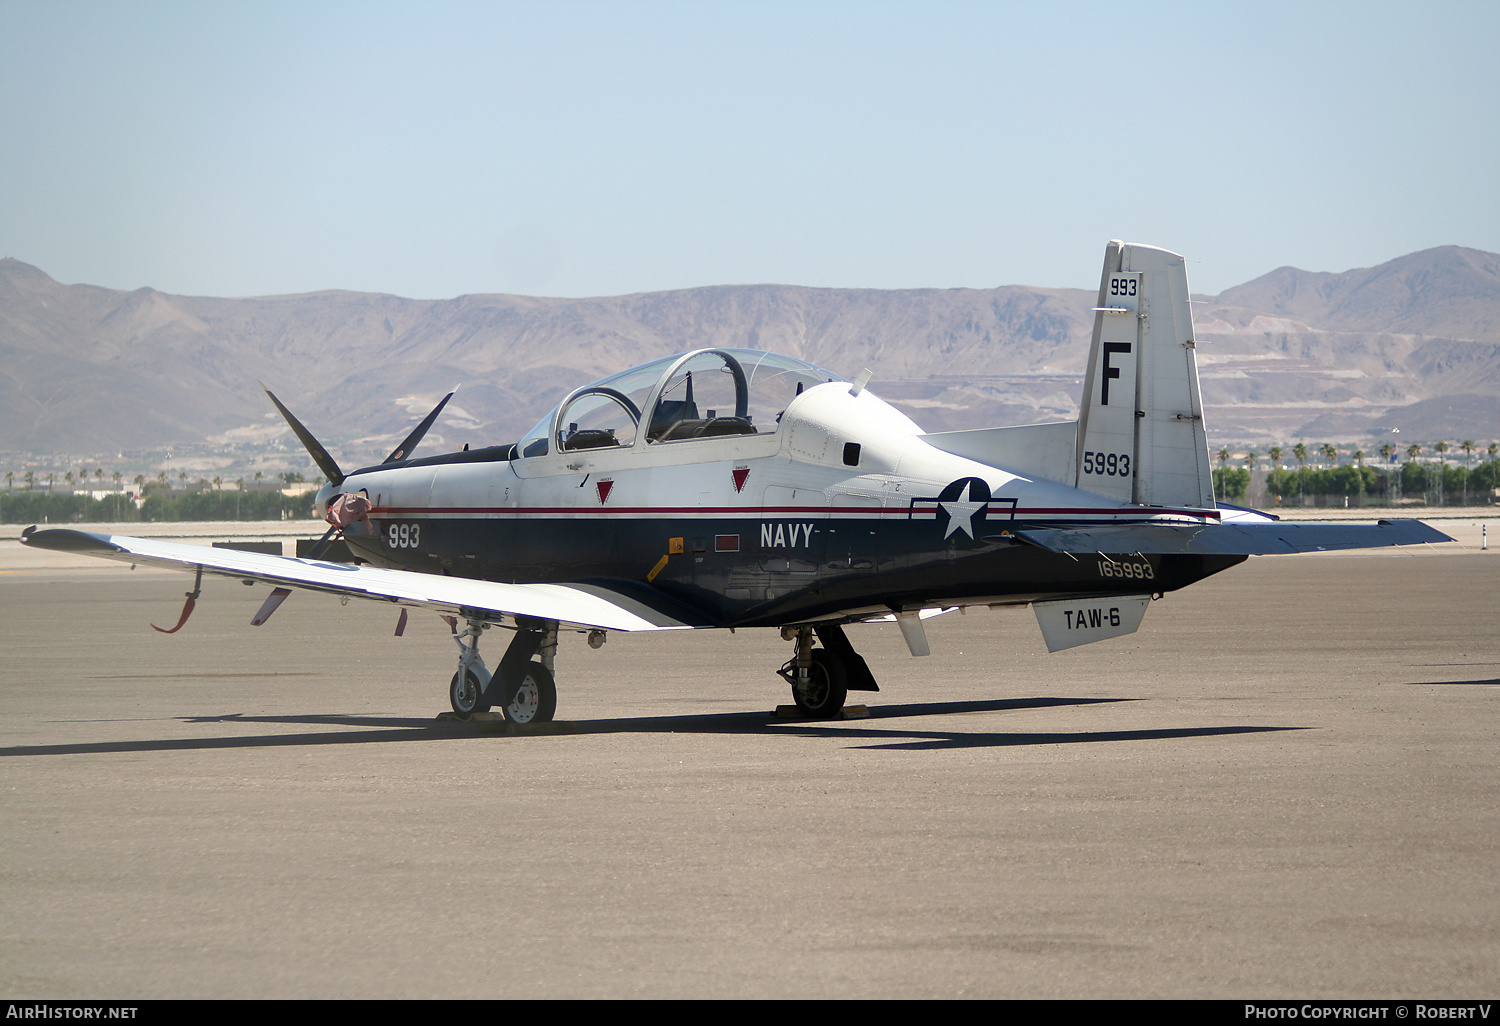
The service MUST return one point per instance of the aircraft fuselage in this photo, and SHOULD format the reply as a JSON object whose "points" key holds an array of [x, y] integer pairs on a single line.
{"points": [[843, 511]]}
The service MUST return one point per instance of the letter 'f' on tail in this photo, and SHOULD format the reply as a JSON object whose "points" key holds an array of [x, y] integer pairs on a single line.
{"points": [[1140, 430]]}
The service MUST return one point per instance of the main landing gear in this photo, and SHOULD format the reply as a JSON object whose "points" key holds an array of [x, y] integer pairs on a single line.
{"points": [[821, 678], [521, 687]]}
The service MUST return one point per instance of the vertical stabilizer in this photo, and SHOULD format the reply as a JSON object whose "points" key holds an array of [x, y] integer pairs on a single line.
{"points": [[1140, 432]]}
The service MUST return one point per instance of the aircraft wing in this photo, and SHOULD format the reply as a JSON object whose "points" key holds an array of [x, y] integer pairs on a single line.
{"points": [[571, 605], [1255, 539]]}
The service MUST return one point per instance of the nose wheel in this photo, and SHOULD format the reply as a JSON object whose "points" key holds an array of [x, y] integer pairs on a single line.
{"points": [[465, 694]]}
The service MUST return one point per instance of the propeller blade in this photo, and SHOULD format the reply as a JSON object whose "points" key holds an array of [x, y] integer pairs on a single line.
{"points": [[317, 550], [319, 454], [404, 450]]}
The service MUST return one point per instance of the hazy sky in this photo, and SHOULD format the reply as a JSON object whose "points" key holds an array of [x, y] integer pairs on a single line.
{"points": [[433, 149]]}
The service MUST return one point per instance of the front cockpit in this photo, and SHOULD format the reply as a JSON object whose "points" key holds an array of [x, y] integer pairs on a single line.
{"points": [[707, 393]]}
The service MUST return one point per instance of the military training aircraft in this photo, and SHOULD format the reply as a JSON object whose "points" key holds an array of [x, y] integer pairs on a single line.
{"points": [[731, 488]]}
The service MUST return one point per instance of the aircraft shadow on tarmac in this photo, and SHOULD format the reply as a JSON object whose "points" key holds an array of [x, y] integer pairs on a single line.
{"points": [[387, 729]]}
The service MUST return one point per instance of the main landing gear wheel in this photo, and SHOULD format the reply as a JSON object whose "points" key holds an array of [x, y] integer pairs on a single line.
{"points": [[822, 697], [464, 694], [533, 699]]}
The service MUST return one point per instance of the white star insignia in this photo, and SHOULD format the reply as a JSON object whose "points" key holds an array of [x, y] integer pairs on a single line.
{"points": [[961, 512]]}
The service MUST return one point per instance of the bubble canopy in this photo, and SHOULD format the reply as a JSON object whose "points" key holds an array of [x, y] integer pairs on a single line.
{"points": [[708, 393]]}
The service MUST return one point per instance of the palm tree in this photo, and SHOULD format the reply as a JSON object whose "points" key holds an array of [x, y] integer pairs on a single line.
{"points": [[1412, 452], [1441, 448], [1358, 456], [30, 480], [1223, 455], [1300, 451], [1275, 453], [10, 480], [1392, 482], [1330, 454], [1467, 445]]}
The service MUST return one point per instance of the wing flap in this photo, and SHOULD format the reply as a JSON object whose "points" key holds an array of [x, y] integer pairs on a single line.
{"points": [[585, 606], [1265, 539]]}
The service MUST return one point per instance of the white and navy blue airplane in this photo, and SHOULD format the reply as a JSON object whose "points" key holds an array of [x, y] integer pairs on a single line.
{"points": [[732, 488]]}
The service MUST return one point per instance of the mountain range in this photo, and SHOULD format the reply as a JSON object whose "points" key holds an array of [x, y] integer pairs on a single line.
{"points": [[1413, 344]]}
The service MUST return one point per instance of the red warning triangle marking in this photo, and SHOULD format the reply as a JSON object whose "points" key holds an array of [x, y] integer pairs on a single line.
{"points": [[740, 473], [604, 487]]}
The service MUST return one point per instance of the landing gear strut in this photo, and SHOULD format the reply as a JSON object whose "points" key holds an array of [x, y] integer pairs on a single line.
{"points": [[467, 691], [819, 681], [521, 686]]}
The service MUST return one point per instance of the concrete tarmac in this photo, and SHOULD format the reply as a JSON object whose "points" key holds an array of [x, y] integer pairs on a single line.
{"points": [[1284, 785]]}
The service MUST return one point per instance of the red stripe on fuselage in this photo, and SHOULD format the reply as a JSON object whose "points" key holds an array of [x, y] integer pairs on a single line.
{"points": [[752, 511]]}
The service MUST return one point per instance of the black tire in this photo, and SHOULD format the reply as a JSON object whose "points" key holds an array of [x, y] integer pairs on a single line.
{"points": [[533, 698], [827, 687], [466, 697]]}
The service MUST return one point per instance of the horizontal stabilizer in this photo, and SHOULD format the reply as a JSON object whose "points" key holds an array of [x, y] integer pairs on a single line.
{"points": [[1266, 539], [1031, 450]]}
